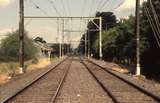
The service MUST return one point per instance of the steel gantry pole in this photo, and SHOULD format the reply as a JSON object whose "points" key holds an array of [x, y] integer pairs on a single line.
{"points": [[100, 38], [137, 31], [86, 43], [62, 37], [60, 44], [21, 35]]}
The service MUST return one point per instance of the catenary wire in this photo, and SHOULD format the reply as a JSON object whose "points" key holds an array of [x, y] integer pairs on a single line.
{"points": [[152, 25], [155, 15], [54, 7], [38, 7]]}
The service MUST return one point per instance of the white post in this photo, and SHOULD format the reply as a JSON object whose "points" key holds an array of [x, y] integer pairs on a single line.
{"points": [[49, 55], [100, 38]]}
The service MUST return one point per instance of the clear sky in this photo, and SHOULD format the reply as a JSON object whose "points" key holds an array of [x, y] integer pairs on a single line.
{"points": [[47, 28]]}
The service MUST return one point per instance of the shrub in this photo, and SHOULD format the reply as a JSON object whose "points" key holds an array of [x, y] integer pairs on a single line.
{"points": [[35, 61], [9, 47]]}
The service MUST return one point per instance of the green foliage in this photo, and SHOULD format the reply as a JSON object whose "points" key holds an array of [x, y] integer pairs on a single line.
{"points": [[9, 48], [108, 21], [118, 42], [35, 60], [12, 69]]}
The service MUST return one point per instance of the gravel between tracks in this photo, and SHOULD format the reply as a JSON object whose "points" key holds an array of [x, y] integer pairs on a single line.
{"points": [[80, 87], [21, 81], [147, 84], [123, 92], [43, 90]]}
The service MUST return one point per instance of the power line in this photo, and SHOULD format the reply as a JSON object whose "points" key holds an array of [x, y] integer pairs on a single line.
{"points": [[63, 6], [29, 21], [69, 9], [119, 5], [104, 4], [83, 7], [99, 4], [155, 15], [157, 25], [91, 7], [96, 6], [155, 32], [54, 7], [38, 7]]}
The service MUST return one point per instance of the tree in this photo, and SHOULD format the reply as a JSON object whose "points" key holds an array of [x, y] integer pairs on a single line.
{"points": [[9, 48], [150, 56], [108, 21]]}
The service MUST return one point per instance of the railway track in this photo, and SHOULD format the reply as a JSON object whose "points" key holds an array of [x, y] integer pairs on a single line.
{"points": [[119, 89], [45, 88], [80, 87]]}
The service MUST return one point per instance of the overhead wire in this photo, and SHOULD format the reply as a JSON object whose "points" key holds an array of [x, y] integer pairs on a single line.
{"points": [[92, 10], [104, 4], [83, 7], [38, 7], [28, 22], [154, 29], [63, 6], [155, 19], [91, 7], [54, 7], [99, 4], [68, 5], [97, 7], [155, 15], [118, 6], [155, 32]]}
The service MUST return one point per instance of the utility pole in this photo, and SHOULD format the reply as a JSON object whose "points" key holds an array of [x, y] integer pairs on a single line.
{"points": [[100, 38], [137, 31], [21, 35]]}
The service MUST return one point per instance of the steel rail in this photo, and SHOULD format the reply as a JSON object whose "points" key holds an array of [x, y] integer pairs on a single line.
{"points": [[141, 89], [100, 83], [6, 100], [60, 84]]}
